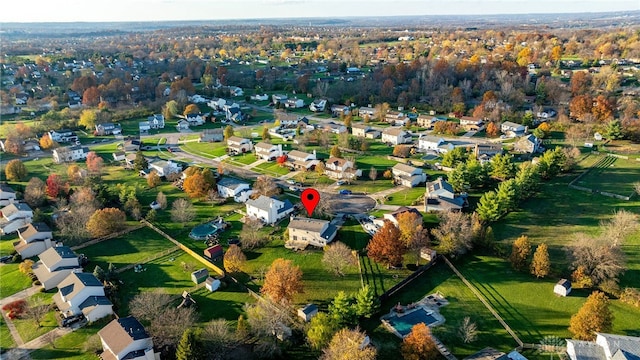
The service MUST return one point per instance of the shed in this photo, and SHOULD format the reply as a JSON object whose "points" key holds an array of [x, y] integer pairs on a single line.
{"points": [[428, 254], [563, 287], [307, 312], [212, 284], [199, 276], [214, 252]]}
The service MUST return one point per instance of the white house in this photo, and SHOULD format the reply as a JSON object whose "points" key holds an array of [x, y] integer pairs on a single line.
{"points": [[7, 195], [195, 119], [82, 294], [70, 153], [310, 231], [63, 136], [440, 196], [233, 188], [318, 105], [156, 121], [182, 125], [430, 143], [367, 111], [55, 264], [301, 160], [108, 129], [338, 168], [126, 338], [335, 128], [606, 347], [278, 98], [258, 97], [528, 144], [294, 103], [339, 110], [14, 216], [471, 123], [512, 129], [268, 152], [237, 145], [144, 126], [212, 135], [397, 118], [164, 167], [268, 210], [396, 136], [34, 238], [562, 287], [407, 175]]}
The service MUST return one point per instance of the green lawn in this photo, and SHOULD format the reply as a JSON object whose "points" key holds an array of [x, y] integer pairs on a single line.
{"points": [[6, 340], [206, 149], [77, 345], [6, 244], [12, 280], [271, 168], [244, 159], [28, 328], [612, 175], [407, 197], [367, 186]]}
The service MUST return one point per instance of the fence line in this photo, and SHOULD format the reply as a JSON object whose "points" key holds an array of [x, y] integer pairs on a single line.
{"points": [[149, 259], [484, 301], [107, 237], [397, 287]]}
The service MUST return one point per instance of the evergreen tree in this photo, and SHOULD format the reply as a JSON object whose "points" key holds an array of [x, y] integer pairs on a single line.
{"points": [[594, 316], [140, 162], [508, 195], [341, 309], [187, 347], [614, 130], [489, 207], [502, 167], [540, 265], [322, 327], [366, 302], [458, 177], [98, 272], [527, 179]]}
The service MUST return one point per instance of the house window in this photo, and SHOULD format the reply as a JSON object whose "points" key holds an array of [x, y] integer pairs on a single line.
{"points": [[295, 237]]}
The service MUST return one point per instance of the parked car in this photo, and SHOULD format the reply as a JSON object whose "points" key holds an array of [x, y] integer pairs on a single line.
{"points": [[5, 259], [72, 320], [291, 182], [340, 182], [345, 192]]}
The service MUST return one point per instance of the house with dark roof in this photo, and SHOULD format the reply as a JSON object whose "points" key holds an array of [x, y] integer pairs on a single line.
{"points": [[485, 152], [606, 347], [307, 312], [55, 264], [407, 175], [35, 238], [82, 294], [441, 197], [310, 231], [195, 119], [14, 216], [338, 168], [562, 287], [156, 121], [126, 338], [237, 189], [268, 210], [7, 195], [528, 144]]}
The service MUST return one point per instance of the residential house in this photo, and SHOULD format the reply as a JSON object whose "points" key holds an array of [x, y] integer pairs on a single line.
{"points": [[471, 123], [195, 119], [528, 145], [485, 152], [335, 128], [108, 129], [430, 143], [546, 114], [183, 125], [119, 155], [232, 112], [294, 103], [511, 129], [125, 338], [307, 312], [31, 145], [367, 111], [441, 197], [278, 98], [7, 195], [393, 216], [407, 175], [606, 347], [318, 105], [339, 110], [14, 216], [562, 287], [144, 126], [131, 145], [310, 231], [365, 131], [229, 187], [287, 119], [212, 135], [55, 264], [82, 293], [258, 97], [236, 91], [63, 136], [300, 160], [268, 152], [70, 153], [35, 238], [237, 145], [164, 167], [396, 136], [338, 168], [156, 121], [427, 121], [397, 118], [268, 210]]}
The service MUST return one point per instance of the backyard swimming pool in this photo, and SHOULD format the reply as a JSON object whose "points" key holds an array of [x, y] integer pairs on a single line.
{"points": [[403, 324], [201, 232]]}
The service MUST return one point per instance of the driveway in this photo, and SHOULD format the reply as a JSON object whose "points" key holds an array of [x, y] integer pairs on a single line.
{"points": [[349, 204]]}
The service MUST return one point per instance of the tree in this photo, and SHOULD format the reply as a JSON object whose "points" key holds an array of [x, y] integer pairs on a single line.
{"points": [[622, 224], [337, 258], [94, 162], [35, 193], [320, 168], [342, 310], [489, 208], [26, 266], [266, 322], [182, 211], [191, 109], [520, 251], [468, 331], [106, 221], [47, 143], [219, 339], [15, 170], [153, 179], [188, 347], [502, 167], [508, 195], [322, 327], [282, 281], [600, 261], [454, 233], [402, 151], [234, 259], [282, 160], [37, 310], [419, 344], [492, 129], [88, 119], [409, 224], [161, 199], [196, 186], [541, 265], [74, 174], [386, 247], [335, 151], [366, 302], [99, 273], [228, 132], [140, 162], [250, 235], [347, 344], [373, 174], [265, 133], [453, 157], [265, 185], [54, 185], [594, 316]]}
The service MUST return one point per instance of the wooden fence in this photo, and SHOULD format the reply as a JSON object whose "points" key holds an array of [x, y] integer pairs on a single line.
{"points": [[107, 237], [397, 287]]}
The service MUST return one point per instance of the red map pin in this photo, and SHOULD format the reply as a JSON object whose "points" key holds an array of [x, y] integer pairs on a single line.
{"points": [[310, 199]]}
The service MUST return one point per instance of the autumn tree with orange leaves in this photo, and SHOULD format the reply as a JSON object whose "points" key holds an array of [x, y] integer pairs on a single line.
{"points": [[386, 247], [282, 281], [419, 344], [94, 162], [492, 129], [106, 221]]}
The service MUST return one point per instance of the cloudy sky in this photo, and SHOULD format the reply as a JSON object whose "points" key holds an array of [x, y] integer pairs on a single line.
{"points": [[154, 10]]}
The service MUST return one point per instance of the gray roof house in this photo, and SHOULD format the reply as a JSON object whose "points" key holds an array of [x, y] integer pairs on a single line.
{"points": [[231, 187], [82, 294], [606, 347], [126, 338], [310, 231], [268, 210], [55, 264], [441, 197]]}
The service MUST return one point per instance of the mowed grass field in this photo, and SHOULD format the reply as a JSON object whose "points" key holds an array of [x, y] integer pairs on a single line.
{"points": [[613, 175]]}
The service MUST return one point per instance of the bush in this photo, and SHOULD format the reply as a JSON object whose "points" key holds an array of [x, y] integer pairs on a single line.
{"points": [[631, 296]]}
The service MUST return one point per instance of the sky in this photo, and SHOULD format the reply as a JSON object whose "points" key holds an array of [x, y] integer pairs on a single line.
{"points": [[158, 10]]}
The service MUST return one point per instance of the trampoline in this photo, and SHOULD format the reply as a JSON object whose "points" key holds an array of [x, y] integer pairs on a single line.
{"points": [[203, 231]]}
